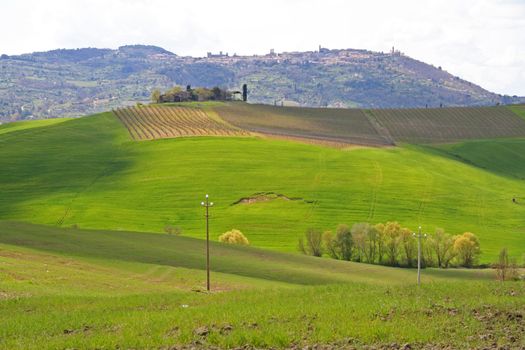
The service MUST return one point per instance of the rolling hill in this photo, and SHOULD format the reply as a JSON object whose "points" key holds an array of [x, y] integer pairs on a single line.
{"points": [[89, 173], [66, 83], [85, 262], [70, 288]]}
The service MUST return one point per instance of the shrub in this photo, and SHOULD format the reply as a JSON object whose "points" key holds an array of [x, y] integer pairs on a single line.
{"points": [[506, 269], [172, 230], [234, 237]]}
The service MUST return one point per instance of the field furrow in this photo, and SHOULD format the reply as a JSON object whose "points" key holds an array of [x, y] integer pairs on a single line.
{"points": [[156, 122]]}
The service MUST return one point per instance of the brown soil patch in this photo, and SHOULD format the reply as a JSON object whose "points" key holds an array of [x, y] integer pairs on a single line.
{"points": [[267, 196]]}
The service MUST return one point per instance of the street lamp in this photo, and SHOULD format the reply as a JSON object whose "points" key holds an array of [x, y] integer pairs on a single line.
{"points": [[207, 204], [419, 235]]}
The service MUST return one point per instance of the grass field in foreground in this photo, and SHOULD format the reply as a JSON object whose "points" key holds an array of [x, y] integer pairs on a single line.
{"points": [[64, 288], [87, 172]]}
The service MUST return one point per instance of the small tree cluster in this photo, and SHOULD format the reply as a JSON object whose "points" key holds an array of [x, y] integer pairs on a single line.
{"points": [[391, 244], [178, 94], [234, 237]]}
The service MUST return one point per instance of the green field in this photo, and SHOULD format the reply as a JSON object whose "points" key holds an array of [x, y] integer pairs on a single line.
{"points": [[67, 288], [87, 172], [85, 262], [15, 126]]}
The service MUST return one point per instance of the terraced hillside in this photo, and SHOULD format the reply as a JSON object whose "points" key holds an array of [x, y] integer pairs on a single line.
{"points": [[440, 125], [156, 122], [345, 126]]}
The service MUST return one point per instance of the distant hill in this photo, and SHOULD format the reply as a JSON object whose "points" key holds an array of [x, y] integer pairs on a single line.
{"points": [[62, 83]]}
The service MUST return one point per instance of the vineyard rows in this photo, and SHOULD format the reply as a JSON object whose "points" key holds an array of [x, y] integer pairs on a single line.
{"points": [[318, 125], [450, 124], [154, 122]]}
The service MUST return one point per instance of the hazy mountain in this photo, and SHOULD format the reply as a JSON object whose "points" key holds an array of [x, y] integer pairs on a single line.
{"points": [[76, 82]]}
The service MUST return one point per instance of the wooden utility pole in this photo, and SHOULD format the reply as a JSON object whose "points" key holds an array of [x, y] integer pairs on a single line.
{"points": [[207, 204], [419, 235]]}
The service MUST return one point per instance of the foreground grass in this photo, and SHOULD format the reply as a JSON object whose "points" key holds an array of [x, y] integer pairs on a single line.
{"points": [[87, 172], [358, 314], [87, 289]]}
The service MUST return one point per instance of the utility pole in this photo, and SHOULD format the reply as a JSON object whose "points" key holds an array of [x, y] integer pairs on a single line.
{"points": [[207, 204], [419, 235]]}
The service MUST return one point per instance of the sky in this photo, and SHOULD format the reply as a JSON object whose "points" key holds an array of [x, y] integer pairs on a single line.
{"points": [[482, 41]]}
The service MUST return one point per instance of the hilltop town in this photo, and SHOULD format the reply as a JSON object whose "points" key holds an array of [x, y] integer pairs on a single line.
{"points": [[62, 83]]}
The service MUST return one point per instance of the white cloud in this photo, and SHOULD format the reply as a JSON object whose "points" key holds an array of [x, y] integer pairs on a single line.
{"points": [[479, 40]]}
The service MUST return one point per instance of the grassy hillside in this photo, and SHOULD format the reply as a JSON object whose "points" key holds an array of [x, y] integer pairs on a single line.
{"points": [[503, 157], [88, 172], [65, 288], [227, 260], [15, 126]]}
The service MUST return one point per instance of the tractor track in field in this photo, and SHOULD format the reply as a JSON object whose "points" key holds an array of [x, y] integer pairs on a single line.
{"points": [[426, 196], [375, 190], [68, 209]]}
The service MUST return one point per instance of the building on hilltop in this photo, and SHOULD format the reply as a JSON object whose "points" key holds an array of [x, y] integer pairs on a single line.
{"points": [[323, 49], [220, 54]]}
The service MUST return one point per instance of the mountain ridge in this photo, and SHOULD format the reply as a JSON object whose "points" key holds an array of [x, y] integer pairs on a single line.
{"points": [[74, 82]]}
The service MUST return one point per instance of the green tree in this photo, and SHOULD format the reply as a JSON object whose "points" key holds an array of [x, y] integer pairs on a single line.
{"points": [[330, 244], [371, 245], [381, 238], [343, 238], [155, 96], [392, 242], [467, 248], [442, 245], [409, 245], [359, 233]]}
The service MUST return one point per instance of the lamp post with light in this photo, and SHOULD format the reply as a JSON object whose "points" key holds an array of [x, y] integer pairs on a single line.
{"points": [[207, 204]]}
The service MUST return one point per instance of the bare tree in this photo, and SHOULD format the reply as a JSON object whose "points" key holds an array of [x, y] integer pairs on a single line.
{"points": [[503, 265], [314, 243], [330, 244]]}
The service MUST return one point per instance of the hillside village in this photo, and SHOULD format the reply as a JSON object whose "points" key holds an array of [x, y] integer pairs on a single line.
{"points": [[65, 83]]}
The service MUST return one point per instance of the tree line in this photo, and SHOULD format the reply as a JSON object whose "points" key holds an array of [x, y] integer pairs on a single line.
{"points": [[392, 245], [178, 94]]}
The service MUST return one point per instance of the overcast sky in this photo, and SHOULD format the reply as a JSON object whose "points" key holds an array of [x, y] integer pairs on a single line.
{"points": [[480, 40]]}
